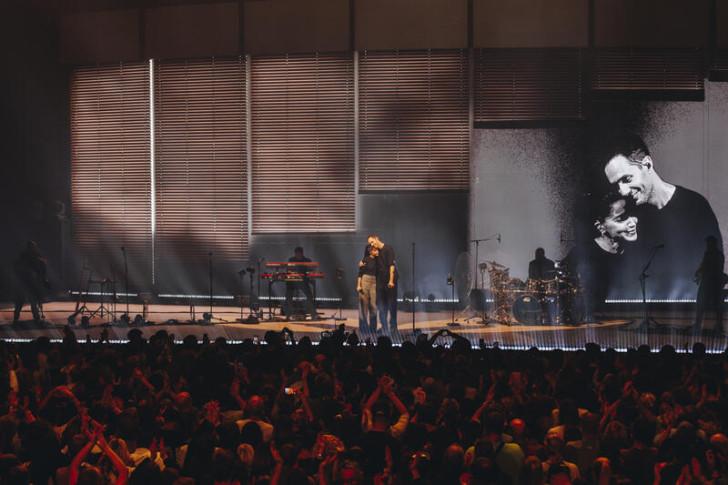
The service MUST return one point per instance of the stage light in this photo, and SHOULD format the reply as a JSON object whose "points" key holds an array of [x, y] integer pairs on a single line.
{"points": [[100, 293], [197, 297], [656, 300], [298, 298]]}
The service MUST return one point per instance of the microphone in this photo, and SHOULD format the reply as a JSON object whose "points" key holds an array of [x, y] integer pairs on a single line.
{"points": [[499, 238]]}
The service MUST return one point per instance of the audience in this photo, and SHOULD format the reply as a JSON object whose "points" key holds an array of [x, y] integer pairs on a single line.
{"points": [[434, 411]]}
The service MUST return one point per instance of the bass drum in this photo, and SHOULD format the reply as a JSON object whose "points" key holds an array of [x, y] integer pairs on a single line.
{"points": [[529, 309]]}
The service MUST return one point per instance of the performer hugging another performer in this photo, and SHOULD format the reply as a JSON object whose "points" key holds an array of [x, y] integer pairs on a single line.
{"points": [[386, 283]]}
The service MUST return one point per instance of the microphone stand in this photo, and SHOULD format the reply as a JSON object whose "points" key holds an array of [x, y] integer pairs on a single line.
{"points": [[414, 328], [126, 283], [339, 277], [240, 274], [252, 317], [209, 262], [484, 315], [451, 283], [647, 323]]}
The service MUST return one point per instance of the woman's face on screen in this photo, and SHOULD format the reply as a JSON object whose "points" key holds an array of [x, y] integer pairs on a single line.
{"points": [[618, 224]]}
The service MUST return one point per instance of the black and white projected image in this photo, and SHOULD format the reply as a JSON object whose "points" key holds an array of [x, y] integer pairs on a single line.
{"points": [[639, 183], [637, 221]]}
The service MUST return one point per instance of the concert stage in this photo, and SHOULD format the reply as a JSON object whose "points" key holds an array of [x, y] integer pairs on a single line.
{"points": [[610, 332]]}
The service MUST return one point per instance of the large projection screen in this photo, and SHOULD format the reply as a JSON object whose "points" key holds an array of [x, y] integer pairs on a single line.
{"points": [[550, 187]]}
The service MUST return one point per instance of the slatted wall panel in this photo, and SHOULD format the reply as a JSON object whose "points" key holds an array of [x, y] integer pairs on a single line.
{"points": [[201, 164], [413, 120], [303, 143], [110, 171], [528, 84], [648, 69], [720, 61]]}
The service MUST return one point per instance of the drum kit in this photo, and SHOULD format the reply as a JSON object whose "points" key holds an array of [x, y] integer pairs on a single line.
{"points": [[545, 301]]}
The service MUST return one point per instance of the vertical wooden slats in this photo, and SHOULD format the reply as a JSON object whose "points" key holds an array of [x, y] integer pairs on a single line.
{"points": [[110, 176], [201, 164], [302, 110], [528, 84], [648, 69], [413, 120]]}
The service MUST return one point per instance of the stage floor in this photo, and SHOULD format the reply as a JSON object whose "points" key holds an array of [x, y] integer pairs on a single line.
{"points": [[610, 332]]}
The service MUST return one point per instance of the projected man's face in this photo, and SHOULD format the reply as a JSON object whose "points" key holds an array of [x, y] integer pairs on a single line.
{"points": [[618, 224], [630, 178]]}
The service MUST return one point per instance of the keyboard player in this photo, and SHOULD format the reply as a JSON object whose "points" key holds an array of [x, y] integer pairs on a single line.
{"points": [[304, 285]]}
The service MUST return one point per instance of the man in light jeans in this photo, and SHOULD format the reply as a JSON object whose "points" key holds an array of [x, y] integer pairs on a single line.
{"points": [[366, 287]]}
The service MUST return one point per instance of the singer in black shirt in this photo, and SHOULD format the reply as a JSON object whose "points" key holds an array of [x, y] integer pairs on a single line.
{"points": [[387, 277]]}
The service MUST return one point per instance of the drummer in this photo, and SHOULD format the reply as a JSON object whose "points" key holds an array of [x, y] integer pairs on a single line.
{"points": [[541, 268]]}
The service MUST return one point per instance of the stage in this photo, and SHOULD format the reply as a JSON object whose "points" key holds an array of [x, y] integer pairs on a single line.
{"points": [[614, 331]]}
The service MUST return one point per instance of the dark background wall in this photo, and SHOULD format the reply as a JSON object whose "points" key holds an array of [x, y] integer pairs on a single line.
{"points": [[34, 135]]}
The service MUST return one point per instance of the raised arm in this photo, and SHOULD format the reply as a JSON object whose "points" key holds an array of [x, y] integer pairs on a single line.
{"points": [[122, 473], [398, 428], [488, 400], [235, 393], [139, 375], [373, 398], [278, 460], [387, 389], [73, 472], [305, 369]]}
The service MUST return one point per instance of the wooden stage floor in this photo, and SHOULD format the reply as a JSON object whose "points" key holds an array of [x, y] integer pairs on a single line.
{"points": [[610, 332]]}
